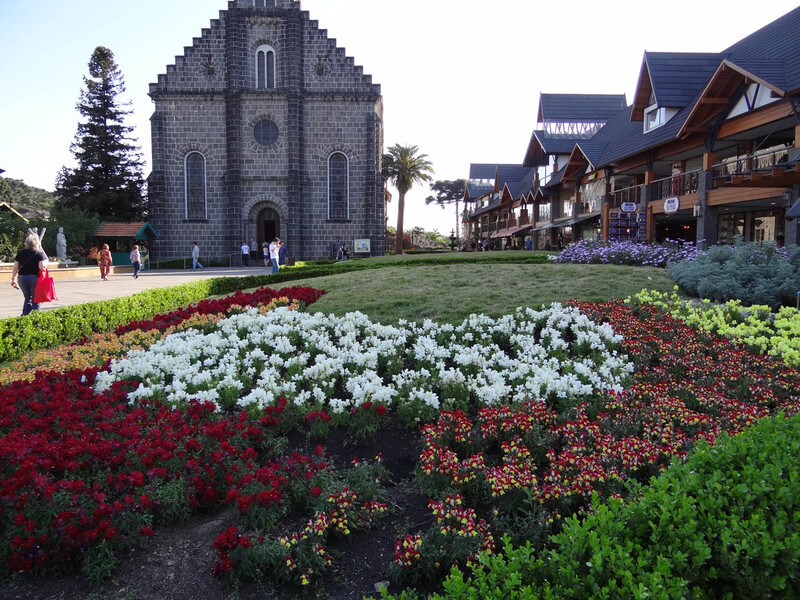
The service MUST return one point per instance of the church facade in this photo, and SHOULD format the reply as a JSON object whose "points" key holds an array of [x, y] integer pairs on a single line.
{"points": [[265, 128]]}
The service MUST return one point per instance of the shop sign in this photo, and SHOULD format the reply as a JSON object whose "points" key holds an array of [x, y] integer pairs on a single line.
{"points": [[629, 207], [672, 205]]}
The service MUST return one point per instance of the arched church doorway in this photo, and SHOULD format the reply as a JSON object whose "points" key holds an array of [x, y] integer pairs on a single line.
{"points": [[269, 225]]}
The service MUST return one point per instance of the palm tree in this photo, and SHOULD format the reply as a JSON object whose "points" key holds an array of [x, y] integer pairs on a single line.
{"points": [[403, 167]]}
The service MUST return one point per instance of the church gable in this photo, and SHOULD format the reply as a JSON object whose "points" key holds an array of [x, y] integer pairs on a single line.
{"points": [[201, 67], [328, 68], [260, 29]]}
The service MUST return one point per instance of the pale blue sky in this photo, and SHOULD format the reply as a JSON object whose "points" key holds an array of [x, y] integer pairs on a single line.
{"points": [[460, 78]]}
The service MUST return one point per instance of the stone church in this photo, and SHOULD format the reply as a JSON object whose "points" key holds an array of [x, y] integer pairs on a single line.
{"points": [[264, 128]]}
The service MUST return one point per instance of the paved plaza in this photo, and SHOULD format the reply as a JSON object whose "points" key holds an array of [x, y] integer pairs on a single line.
{"points": [[91, 288]]}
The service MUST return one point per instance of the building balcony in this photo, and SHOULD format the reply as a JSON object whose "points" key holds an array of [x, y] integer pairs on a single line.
{"points": [[681, 184]]}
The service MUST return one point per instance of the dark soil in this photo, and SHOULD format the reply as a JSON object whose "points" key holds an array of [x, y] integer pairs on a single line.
{"points": [[176, 563]]}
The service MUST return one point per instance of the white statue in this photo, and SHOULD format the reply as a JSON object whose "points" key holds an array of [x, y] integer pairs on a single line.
{"points": [[61, 244], [40, 234]]}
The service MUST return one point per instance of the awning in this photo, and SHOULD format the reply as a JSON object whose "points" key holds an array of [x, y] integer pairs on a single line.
{"points": [[794, 212], [510, 231], [543, 227], [580, 219]]}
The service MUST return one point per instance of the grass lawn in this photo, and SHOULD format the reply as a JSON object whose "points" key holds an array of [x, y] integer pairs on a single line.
{"points": [[449, 293]]}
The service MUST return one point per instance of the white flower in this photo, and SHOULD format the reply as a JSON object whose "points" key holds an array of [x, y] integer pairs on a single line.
{"points": [[342, 362]]}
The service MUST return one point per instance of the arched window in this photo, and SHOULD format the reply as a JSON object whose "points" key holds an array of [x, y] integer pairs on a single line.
{"points": [[265, 68], [195, 185], [338, 187]]}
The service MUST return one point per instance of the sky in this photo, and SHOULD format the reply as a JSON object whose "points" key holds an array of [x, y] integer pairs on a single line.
{"points": [[460, 78]]}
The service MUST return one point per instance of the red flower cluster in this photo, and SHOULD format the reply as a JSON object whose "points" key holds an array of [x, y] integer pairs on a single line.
{"points": [[687, 386], [80, 468]]}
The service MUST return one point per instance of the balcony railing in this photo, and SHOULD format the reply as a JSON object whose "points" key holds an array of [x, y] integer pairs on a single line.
{"points": [[681, 184], [630, 194], [757, 162]]}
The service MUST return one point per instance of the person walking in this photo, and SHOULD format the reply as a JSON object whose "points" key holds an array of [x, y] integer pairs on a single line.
{"points": [[274, 254], [245, 254], [265, 253], [136, 261], [196, 257], [104, 261], [27, 264]]}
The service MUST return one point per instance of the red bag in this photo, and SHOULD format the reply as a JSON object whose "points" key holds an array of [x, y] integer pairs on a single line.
{"points": [[45, 288]]}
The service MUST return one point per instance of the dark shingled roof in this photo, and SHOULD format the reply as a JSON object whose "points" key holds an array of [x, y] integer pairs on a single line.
{"points": [[678, 81], [555, 144], [512, 174], [478, 190], [523, 186], [677, 77], [777, 41], [488, 208], [485, 170], [555, 180], [575, 108], [592, 150]]}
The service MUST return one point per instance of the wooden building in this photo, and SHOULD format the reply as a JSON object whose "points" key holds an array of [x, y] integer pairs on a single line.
{"points": [[709, 149]]}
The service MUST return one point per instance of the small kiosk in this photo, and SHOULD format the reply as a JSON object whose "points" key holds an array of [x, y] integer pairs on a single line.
{"points": [[121, 238]]}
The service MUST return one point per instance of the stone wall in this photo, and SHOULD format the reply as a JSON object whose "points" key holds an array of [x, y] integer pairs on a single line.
{"points": [[322, 103]]}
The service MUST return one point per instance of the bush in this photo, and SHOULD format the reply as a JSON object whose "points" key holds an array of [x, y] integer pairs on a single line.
{"points": [[726, 524], [750, 272]]}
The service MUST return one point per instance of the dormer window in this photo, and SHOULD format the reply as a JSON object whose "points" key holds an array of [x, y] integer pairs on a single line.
{"points": [[655, 116]]}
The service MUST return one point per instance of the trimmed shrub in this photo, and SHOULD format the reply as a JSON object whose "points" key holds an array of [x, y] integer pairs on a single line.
{"points": [[726, 524], [750, 272]]}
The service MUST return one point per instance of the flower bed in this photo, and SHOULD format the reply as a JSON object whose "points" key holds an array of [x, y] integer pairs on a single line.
{"points": [[626, 253], [524, 419], [540, 461], [250, 360], [763, 331]]}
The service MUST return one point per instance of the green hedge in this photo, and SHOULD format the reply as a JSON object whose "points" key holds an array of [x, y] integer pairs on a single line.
{"points": [[46, 329], [726, 524]]}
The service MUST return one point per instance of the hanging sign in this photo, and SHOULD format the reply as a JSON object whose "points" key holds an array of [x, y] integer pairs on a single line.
{"points": [[672, 205], [629, 207]]}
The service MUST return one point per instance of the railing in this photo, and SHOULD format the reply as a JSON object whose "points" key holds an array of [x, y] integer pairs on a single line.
{"points": [[589, 206], [681, 184], [630, 194], [760, 161]]}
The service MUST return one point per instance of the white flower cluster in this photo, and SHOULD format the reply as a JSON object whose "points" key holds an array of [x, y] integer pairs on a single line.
{"points": [[342, 362]]}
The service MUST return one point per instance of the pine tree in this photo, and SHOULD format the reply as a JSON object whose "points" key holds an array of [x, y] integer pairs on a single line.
{"points": [[108, 180]]}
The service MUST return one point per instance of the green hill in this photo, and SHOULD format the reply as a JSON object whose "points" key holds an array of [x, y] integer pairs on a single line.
{"points": [[31, 202]]}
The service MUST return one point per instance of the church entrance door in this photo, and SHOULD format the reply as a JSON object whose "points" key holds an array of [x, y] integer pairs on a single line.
{"points": [[269, 225]]}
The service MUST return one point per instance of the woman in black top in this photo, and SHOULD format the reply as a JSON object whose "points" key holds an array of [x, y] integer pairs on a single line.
{"points": [[27, 263]]}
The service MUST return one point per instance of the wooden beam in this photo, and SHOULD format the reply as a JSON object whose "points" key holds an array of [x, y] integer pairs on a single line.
{"points": [[722, 101], [756, 118]]}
